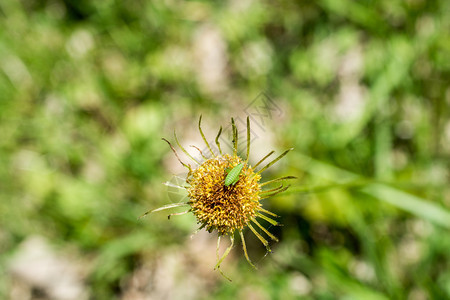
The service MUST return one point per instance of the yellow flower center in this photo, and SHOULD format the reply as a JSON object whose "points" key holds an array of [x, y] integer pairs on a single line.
{"points": [[225, 208]]}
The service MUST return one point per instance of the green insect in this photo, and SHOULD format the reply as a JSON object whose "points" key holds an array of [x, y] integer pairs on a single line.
{"points": [[233, 175]]}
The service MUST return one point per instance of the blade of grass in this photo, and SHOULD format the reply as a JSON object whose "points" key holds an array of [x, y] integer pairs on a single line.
{"points": [[415, 205]]}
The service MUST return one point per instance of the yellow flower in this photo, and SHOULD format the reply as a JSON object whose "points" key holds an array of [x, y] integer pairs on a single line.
{"points": [[228, 208]]}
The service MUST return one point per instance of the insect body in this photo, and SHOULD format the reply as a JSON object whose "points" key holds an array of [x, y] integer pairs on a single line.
{"points": [[233, 175]]}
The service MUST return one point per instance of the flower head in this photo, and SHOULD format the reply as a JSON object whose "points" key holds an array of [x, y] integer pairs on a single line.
{"points": [[220, 207], [225, 192]]}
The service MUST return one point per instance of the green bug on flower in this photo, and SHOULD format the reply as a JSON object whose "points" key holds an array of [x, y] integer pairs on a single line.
{"points": [[233, 175]]}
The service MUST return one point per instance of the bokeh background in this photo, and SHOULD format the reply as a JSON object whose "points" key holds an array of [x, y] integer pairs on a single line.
{"points": [[360, 89]]}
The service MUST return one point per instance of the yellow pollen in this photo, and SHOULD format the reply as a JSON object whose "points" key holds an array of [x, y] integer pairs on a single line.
{"points": [[220, 207]]}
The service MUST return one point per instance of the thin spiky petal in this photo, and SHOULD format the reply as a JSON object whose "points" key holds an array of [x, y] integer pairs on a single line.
{"points": [[201, 153], [217, 140], [272, 190], [271, 221], [176, 154], [248, 139], [225, 254], [203, 136], [181, 187], [184, 150], [265, 230], [276, 180], [263, 240], [265, 196], [235, 137], [168, 206], [274, 161], [263, 159], [267, 212], [245, 249], [179, 214], [217, 256], [218, 246]]}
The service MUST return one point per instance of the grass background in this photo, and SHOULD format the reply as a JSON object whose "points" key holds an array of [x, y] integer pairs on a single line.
{"points": [[360, 89]]}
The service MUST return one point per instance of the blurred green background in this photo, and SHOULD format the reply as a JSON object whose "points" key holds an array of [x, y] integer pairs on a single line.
{"points": [[360, 89]]}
